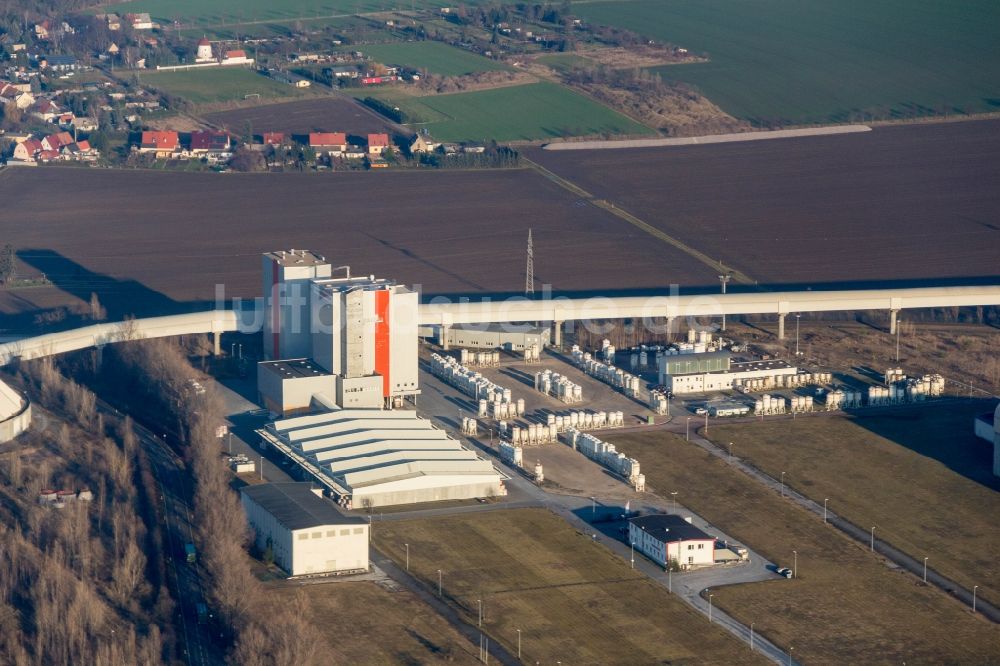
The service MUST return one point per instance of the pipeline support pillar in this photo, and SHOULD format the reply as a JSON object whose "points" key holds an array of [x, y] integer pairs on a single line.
{"points": [[892, 321], [216, 343], [781, 327], [557, 334]]}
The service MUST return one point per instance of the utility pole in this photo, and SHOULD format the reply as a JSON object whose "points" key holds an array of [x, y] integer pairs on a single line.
{"points": [[529, 274], [724, 279]]}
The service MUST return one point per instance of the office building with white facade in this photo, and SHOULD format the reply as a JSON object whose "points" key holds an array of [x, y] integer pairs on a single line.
{"points": [[666, 538]]}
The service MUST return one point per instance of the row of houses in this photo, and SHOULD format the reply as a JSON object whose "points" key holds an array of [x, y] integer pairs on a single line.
{"points": [[167, 144], [58, 147]]}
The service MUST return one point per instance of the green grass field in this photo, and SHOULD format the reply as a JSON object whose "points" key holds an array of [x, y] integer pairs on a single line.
{"points": [[905, 474], [516, 113], [572, 599], [563, 61], [845, 606], [811, 61], [216, 12], [435, 57], [202, 86]]}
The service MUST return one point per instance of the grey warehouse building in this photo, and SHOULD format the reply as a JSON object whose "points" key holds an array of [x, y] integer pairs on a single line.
{"points": [[511, 337]]}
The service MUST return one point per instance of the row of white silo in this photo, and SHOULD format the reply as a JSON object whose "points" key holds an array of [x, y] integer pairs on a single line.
{"points": [[467, 381], [558, 386], [804, 379], [470, 426], [483, 359], [770, 404], [607, 351], [511, 454], [629, 384], [586, 420], [800, 403], [893, 375], [531, 434], [914, 389], [842, 398], [606, 455], [532, 354], [498, 409]]}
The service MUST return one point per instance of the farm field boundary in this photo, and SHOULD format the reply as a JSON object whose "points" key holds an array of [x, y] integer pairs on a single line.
{"points": [[707, 139]]}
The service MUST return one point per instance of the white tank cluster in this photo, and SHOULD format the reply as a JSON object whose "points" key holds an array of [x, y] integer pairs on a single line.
{"points": [[844, 398], [645, 357], [658, 402], [558, 386], [769, 383], [511, 454], [800, 403], [770, 404], [531, 434], [482, 359], [532, 354], [495, 401], [470, 426], [605, 454], [585, 420], [629, 384], [608, 351], [900, 388], [698, 342]]}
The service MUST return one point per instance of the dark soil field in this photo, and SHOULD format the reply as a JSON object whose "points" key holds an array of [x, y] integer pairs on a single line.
{"points": [[152, 242], [326, 114], [906, 203]]}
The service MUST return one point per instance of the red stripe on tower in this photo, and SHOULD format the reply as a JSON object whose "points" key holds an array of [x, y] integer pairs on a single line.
{"points": [[382, 338], [275, 312]]}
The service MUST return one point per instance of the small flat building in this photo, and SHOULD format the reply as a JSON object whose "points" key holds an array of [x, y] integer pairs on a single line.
{"points": [[512, 337], [306, 534], [288, 387], [714, 371], [666, 538]]}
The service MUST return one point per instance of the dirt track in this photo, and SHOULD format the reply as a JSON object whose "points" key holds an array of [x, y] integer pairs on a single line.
{"points": [[906, 203]]}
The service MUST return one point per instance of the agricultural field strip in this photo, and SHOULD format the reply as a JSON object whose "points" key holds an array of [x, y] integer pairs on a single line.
{"points": [[568, 185], [842, 600]]}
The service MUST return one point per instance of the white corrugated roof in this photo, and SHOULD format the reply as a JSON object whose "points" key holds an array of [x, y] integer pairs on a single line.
{"points": [[360, 447]]}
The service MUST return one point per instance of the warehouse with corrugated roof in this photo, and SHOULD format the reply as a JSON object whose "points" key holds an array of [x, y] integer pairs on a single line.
{"points": [[371, 458]]}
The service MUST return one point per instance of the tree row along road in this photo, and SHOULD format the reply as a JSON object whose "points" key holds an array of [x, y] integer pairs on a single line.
{"points": [[859, 534]]}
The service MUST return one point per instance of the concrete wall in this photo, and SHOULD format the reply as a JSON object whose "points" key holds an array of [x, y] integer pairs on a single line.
{"points": [[359, 392], [15, 425]]}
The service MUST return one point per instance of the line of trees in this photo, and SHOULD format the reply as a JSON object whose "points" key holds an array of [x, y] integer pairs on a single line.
{"points": [[157, 373], [85, 579]]}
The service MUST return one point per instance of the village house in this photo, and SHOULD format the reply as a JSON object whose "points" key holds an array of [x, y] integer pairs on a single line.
{"points": [[15, 95], [207, 142], [422, 143], [273, 138], [58, 63], [140, 21], [114, 22], [378, 144], [45, 109], [236, 57], [25, 151], [163, 144], [328, 143], [56, 142]]}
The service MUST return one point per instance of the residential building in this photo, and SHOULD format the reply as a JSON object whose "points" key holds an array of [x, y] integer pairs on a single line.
{"points": [[422, 143], [667, 539], [273, 138], [161, 143], [58, 63], [56, 142], [305, 533], [328, 143], [378, 144], [25, 151], [210, 142], [140, 21], [45, 109], [236, 57], [114, 22], [15, 95]]}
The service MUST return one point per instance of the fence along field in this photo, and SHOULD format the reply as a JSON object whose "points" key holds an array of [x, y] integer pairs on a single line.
{"points": [[790, 62]]}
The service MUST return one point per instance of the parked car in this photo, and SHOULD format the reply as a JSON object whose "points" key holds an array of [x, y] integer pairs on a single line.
{"points": [[785, 571], [701, 411]]}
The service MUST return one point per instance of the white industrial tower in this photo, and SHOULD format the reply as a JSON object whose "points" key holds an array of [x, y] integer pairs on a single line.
{"points": [[529, 275]]}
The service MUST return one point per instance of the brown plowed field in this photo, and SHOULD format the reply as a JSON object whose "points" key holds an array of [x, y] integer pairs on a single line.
{"points": [[148, 242], [324, 114], [907, 203]]}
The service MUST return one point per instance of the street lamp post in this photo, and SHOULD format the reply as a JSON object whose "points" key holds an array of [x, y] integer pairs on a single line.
{"points": [[673, 496], [710, 607], [632, 559], [898, 326], [873, 539], [974, 588], [730, 451], [480, 602], [518, 643], [925, 569], [790, 650], [751, 636], [782, 484], [407, 556], [593, 506], [687, 429], [439, 583], [825, 500]]}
